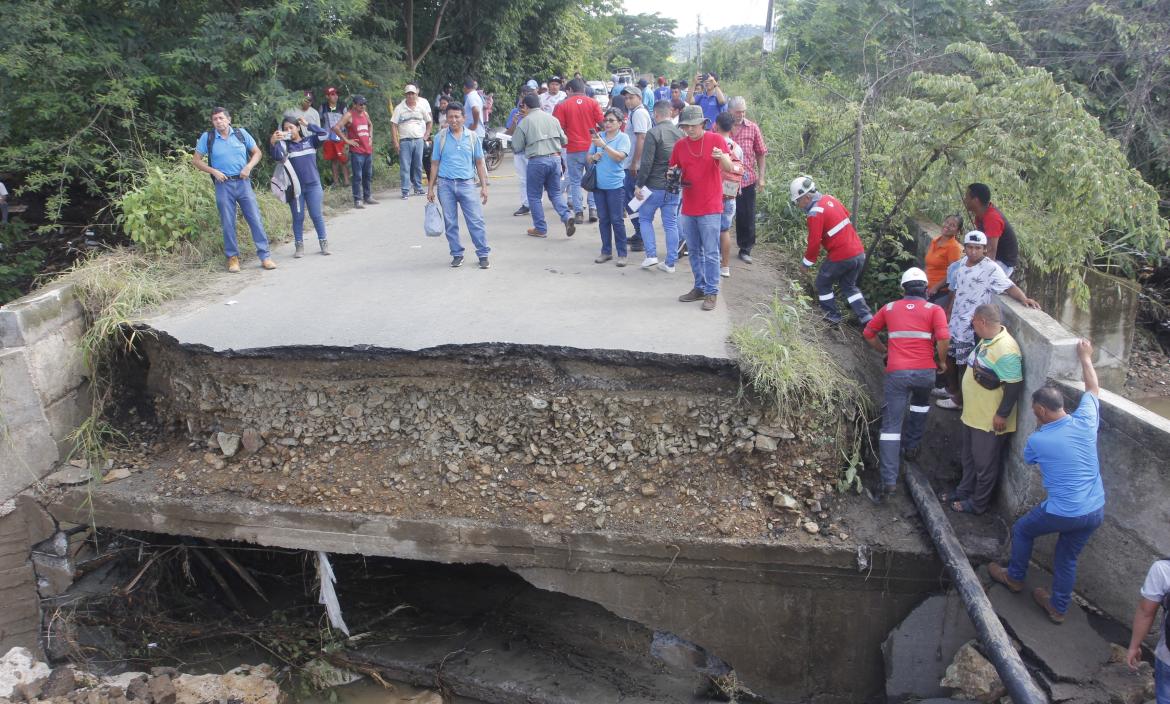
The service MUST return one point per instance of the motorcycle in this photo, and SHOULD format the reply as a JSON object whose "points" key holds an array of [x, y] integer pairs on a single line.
{"points": [[493, 149]]}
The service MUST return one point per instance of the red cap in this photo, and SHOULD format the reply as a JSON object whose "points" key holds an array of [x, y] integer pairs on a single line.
{"points": [[330, 91]]}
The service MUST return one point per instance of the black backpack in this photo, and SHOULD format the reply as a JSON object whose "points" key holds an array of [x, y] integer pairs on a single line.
{"points": [[210, 139]]}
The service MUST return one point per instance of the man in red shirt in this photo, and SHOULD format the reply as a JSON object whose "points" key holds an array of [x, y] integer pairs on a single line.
{"points": [[701, 157], [917, 332], [829, 225], [1002, 246], [578, 114]]}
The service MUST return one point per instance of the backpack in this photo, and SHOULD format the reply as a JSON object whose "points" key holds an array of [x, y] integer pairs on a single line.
{"points": [[732, 180], [210, 139]]}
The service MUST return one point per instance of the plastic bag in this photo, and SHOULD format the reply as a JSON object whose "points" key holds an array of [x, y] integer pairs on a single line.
{"points": [[433, 222]]}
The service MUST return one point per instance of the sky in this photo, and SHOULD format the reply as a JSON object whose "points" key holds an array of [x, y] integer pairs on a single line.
{"points": [[684, 11]]}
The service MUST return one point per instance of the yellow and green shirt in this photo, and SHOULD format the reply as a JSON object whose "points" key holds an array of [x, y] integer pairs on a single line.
{"points": [[1002, 355]]}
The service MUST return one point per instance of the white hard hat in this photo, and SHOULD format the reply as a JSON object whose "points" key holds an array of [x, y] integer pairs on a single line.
{"points": [[914, 274], [800, 186]]}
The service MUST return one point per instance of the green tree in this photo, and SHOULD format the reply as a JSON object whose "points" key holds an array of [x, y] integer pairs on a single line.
{"points": [[645, 40]]}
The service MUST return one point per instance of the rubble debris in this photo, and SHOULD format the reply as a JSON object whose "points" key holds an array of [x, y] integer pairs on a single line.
{"points": [[918, 651], [972, 676], [19, 667]]}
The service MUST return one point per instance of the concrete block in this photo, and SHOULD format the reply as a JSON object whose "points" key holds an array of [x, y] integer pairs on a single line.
{"points": [[38, 523], [31, 317], [27, 447], [65, 414], [56, 362], [919, 650]]}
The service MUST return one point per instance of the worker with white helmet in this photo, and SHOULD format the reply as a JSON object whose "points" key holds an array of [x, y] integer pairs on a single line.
{"points": [[829, 226], [918, 339]]}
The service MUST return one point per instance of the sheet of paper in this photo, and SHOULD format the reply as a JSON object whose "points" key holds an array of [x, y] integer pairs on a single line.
{"points": [[634, 203]]}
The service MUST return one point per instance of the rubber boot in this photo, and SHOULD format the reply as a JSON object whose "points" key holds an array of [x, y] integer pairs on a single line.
{"points": [[324, 247], [300, 251]]}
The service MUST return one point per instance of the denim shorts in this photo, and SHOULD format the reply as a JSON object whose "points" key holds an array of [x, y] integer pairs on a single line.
{"points": [[728, 215]]}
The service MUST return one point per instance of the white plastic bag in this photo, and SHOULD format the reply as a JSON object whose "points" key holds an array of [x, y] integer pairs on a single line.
{"points": [[433, 222]]}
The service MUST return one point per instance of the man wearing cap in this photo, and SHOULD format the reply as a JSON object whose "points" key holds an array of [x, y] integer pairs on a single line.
{"points": [[307, 110], [647, 94], [829, 226], [232, 153], [918, 340], [334, 149], [702, 157], [638, 123], [354, 128], [542, 140], [473, 115], [550, 100], [410, 126], [444, 93], [578, 114], [662, 92], [709, 96], [977, 279]]}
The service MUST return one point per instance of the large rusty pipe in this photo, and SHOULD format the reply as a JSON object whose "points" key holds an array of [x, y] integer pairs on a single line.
{"points": [[996, 644]]}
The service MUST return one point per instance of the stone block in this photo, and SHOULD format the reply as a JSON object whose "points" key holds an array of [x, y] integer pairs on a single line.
{"points": [[56, 362], [918, 651], [31, 317], [27, 448], [65, 414]]}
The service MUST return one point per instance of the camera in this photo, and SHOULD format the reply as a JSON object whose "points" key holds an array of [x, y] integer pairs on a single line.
{"points": [[674, 182]]}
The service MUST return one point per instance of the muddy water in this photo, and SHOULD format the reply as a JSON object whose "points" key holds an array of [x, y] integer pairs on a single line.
{"points": [[1157, 404]]}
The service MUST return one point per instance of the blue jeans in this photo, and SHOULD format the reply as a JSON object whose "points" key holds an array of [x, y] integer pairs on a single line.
{"points": [[1074, 533], [844, 274], [311, 198], [544, 174], [410, 158], [611, 220], [668, 204], [361, 168], [903, 387], [228, 195], [461, 194], [702, 235], [631, 181], [575, 163], [1161, 682]]}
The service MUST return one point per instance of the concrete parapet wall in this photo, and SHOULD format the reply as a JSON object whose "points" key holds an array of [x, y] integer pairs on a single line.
{"points": [[1132, 444], [43, 389]]}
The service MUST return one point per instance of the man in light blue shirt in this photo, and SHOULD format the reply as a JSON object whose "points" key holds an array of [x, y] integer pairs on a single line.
{"points": [[1065, 447], [456, 160], [231, 155]]}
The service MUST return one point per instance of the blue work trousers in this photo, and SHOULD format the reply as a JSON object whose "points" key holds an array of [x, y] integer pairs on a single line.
{"points": [[903, 387], [361, 167], [1074, 533], [844, 274]]}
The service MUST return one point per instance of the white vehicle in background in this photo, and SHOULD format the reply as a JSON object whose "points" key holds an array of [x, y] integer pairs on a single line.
{"points": [[600, 93]]}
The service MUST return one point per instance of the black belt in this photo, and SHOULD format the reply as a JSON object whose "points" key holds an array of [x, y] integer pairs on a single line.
{"points": [[408, 139], [237, 177]]}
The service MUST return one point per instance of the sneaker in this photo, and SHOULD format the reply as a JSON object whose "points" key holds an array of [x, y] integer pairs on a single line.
{"points": [[745, 257], [358, 204], [369, 201], [691, 296], [668, 268], [579, 218], [405, 195], [484, 263], [649, 262], [268, 264], [593, 215], [522, 210], [621, 261], [570, 227], [420, 192], [1044, 600], [324, 247], [725, 272], [940, 392], [456, 262], [635, 244], [299, 250], [948, 403], [603, 258], [1000, 574], [533, 232], [233, 265]]}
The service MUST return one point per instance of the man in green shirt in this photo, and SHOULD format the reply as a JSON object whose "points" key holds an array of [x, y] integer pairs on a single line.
{"points": [[542, 139]]}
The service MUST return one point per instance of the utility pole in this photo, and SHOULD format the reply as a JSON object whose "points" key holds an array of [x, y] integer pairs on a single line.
{"points": [[769, 35], [699, 41]]}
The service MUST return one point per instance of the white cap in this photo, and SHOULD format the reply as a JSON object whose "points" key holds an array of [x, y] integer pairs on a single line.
{"points": [[975, 237], [914, 274], [411, 88]]}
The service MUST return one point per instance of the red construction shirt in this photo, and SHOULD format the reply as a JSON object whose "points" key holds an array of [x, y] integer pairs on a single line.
{"points": [[828, 224], [914, 326]]}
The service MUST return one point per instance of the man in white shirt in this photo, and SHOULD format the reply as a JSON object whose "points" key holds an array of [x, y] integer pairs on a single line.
{"points": [[473, 115], [307, 110], [550, 100], [1155, 593], [638, 123], [410, 126]]}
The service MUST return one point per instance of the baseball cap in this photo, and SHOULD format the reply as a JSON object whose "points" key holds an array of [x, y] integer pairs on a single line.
{"points": [[691, 115], [359, 100], [555, 78], [411, 88], [307, 95], [631, 90], [330, 91], [975, 237], [531, 84]]}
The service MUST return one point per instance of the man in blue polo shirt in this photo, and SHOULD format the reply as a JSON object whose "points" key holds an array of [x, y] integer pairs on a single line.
{"points": [[456, 160], [1065, 447], [709, 96], [233, 156]]}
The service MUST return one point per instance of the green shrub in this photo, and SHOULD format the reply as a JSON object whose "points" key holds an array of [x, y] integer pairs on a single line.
{"points": [[20, 262]]}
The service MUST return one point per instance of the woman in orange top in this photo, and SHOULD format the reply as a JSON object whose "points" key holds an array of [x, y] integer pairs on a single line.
{"points": [[943, 251]]}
